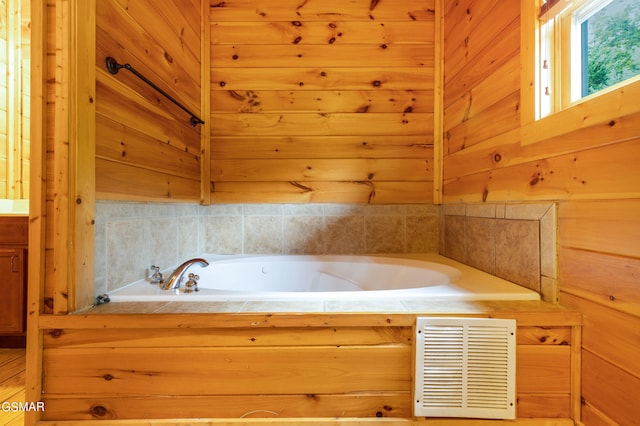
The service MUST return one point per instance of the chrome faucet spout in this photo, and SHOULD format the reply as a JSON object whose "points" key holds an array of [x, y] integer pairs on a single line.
{"points": [[174, 280]]}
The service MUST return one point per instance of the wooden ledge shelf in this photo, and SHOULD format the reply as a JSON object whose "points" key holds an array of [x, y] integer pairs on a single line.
{"points": [[140, 315]]}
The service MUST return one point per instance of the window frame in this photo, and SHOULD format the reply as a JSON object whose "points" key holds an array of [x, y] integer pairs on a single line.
{"points": [[598, 108]]}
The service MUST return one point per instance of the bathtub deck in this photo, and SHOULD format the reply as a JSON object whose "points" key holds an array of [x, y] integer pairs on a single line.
{"points": [[302, 360], [533, 312]]}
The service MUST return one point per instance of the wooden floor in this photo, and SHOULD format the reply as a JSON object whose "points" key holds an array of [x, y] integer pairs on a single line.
{"points": [[12, 378]]}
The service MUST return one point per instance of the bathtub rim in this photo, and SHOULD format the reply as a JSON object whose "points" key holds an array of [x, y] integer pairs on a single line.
{"points": [[469, 277]]}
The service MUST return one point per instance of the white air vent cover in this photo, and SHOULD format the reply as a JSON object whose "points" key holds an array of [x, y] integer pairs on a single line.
{"points": [[465, 367]]}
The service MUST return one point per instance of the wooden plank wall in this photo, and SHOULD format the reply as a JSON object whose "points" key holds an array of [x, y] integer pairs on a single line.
{"points": [[276, 365], [25, 110], [322, 101], [62, 202], [4, 99], [599, 267], [14, 98], [592, 173], [55, 154], [146, 148]]}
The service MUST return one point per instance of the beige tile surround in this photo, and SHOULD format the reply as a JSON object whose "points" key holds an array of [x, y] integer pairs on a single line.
{"points": [[516, 242], [132, 236]]}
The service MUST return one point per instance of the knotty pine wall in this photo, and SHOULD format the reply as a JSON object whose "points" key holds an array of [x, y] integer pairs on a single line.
{"points": [[3, 101], [64, 222], [312, 367], [145, 145], [327, 101], [592, 173]]}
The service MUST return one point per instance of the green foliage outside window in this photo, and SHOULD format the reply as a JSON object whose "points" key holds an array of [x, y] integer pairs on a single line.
{"points": [[613, 52]]}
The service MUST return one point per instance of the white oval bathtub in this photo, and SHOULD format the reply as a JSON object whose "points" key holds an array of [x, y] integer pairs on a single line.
{"points": [[287, 277]]}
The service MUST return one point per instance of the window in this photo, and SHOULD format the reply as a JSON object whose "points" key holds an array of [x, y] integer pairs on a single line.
{"points": [[584, 47]]}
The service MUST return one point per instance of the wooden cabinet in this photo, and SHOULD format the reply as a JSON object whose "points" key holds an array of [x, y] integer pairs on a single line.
{"points": [[12, 290], [13, 275]]}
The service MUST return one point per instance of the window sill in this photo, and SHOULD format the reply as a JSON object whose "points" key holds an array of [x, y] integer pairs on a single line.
{"points": [[597, 109]]}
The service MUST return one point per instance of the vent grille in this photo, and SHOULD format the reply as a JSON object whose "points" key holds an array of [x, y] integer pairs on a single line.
{"points": [[465, 367]]}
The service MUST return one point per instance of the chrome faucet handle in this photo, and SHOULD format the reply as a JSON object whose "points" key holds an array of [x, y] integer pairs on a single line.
{"points": [[156, 277], [192, 283], [173, 283]]}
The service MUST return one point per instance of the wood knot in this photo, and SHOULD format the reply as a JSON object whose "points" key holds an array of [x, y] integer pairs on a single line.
{"points": [[48, 302], [98, 411], [534, 180], [236, 95], [497, 157], [376, 83], [108, 377], [297, 40], [55, 333]]}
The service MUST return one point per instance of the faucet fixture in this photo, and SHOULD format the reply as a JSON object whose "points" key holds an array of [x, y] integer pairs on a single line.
{"points": [[156, 277], [192, 283], [175, 278]]}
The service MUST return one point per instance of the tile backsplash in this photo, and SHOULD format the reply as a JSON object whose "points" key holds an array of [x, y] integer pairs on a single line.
{"points": [[130, 237], [516, 242]]}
